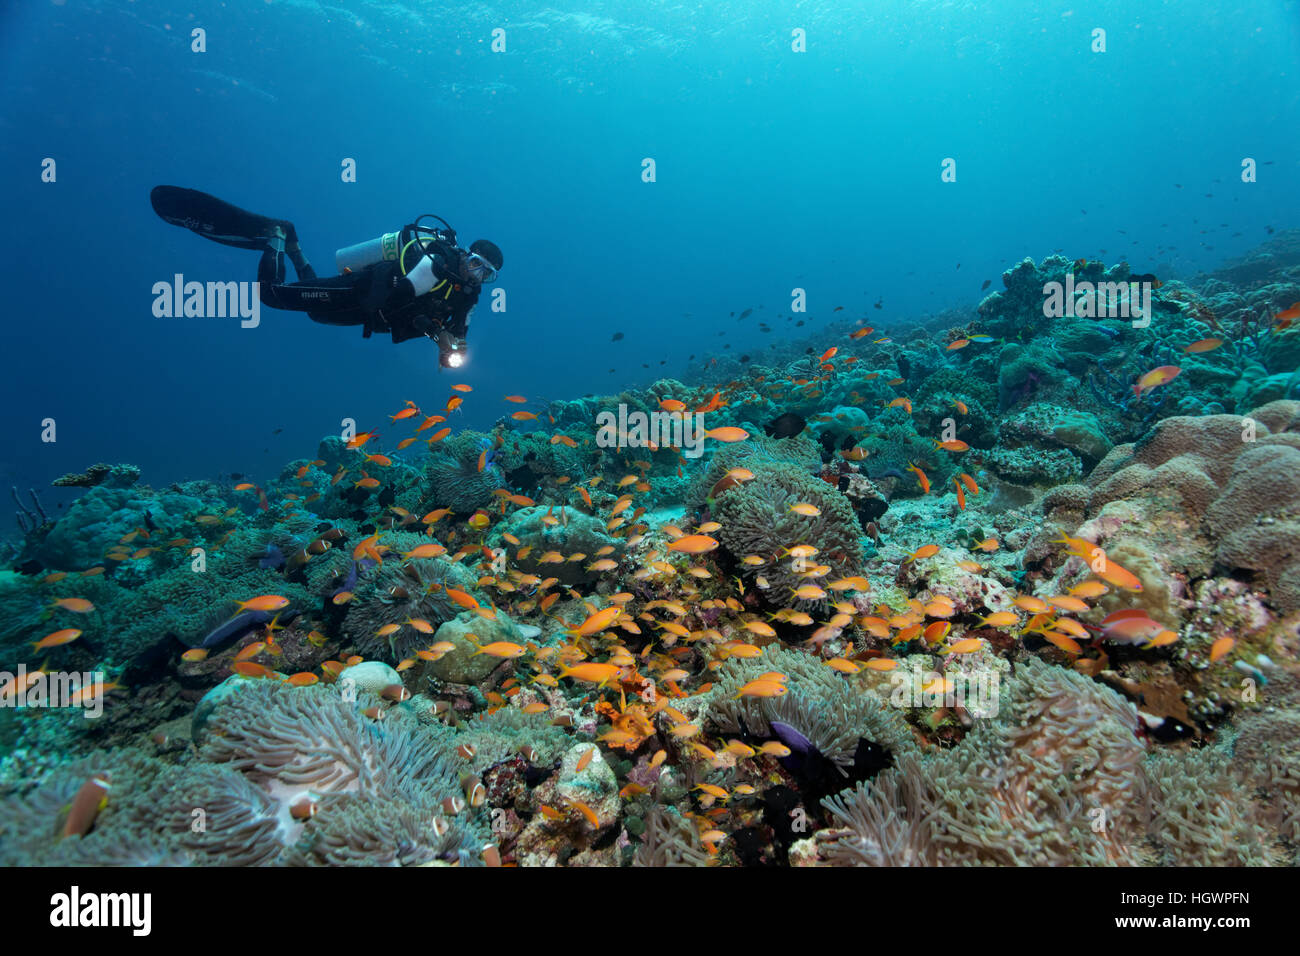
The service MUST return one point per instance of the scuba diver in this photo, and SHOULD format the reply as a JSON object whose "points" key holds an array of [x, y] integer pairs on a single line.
{"points": [[411, 283]]}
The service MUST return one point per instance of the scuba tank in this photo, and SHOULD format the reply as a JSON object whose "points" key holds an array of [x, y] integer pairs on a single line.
{"points": [[355, 258], [407, 246]]}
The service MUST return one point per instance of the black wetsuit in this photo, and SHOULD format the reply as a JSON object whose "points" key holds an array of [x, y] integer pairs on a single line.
{"points": [[378, 297]]}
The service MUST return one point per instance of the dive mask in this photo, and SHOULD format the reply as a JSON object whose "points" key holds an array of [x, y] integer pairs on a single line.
{"points": [[479, 269]]}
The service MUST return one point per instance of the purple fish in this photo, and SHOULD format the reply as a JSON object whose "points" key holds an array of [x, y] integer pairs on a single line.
{"points": [[356, 571], [791, 737]]}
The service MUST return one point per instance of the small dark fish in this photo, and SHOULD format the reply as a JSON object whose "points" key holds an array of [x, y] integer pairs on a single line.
{"points": [[617, 336], [745, 313], [744, 359], [799, 323], [987, 283], [235, 628], [272, 559], [959, 265], [786, 426], [887, 473], [879, 304]]}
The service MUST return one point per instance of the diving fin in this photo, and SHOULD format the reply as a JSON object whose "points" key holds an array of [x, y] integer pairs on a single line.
{"points": [[215, 219]]}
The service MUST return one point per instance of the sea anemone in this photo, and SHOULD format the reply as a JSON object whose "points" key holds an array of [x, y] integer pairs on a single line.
{"points": [[757, 519]]}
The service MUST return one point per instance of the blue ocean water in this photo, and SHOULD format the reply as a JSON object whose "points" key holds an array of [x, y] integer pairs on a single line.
{"points": [[775, 169]]}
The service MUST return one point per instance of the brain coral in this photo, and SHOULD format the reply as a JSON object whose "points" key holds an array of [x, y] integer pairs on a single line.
{"points": [[1235, 478]]}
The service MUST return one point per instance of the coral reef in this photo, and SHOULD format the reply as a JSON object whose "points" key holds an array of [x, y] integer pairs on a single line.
{"points": [[995, 587]]}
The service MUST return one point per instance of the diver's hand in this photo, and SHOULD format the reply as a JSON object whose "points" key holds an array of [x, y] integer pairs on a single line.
{"points": [[425, 326]]}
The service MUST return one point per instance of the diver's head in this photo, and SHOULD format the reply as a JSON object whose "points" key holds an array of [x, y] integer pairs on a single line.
{"points": [[483, 261]]}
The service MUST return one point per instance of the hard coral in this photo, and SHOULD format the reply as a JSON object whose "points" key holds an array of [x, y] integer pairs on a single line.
{"points": [[1236, 481]]}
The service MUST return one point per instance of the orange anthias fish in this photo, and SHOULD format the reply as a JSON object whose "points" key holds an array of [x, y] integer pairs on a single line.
{"points": [[925, 551], [694, 544], [76, 605], [591, 673], [713, 404], [1156, 377], [727, 433], [65, 636], [921, 478], [1204, 345], [461, 598], [1112, 573], [597, 622]]}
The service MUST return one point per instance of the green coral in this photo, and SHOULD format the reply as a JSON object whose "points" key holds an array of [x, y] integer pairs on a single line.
{"points": [[400, 589], [757, 518], [574, 532]]}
